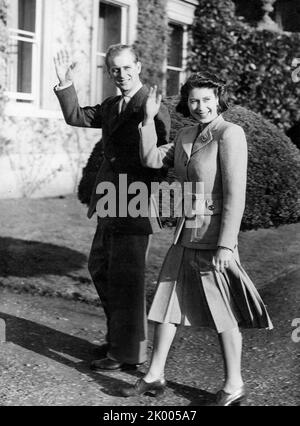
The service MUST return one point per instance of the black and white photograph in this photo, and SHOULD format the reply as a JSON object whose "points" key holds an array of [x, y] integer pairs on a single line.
{"points": [[149, 206]]}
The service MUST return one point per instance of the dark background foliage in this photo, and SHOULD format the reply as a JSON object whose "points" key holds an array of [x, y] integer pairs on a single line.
{"points": [[257, 64], [152, 38]]}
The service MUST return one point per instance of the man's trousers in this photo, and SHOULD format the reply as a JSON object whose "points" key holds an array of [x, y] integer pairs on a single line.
{"points": [[117, 267]]}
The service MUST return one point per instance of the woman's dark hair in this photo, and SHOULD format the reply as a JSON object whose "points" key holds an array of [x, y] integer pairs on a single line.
{"points": [[202, 80]]}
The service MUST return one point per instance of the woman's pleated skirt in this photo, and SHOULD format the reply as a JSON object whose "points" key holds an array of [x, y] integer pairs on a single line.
{"points": [[190, 292]]}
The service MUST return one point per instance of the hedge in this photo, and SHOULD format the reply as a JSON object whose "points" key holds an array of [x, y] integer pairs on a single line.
{"points": [[258, 64], [89, 173], [273, 171]]}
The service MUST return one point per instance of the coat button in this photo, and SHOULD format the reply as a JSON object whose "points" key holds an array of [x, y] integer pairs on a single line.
{"points": [[212, 207], [185, 163]]}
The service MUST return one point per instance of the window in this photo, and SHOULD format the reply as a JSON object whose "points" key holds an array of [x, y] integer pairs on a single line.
{"points": [[23, 65], [112, 29], [181, 17], [176, 58]]}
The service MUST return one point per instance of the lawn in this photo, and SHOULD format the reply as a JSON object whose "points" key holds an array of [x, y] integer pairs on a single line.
{"points": [[44, 245]]}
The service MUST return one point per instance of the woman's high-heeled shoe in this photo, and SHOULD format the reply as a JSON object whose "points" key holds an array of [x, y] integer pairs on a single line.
{"points": [[141, 387], [224, 399]]}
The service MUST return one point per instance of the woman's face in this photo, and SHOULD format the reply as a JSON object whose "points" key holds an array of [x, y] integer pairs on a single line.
{"points": [[203, 104]]}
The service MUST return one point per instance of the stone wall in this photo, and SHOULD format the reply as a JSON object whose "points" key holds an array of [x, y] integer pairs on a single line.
{"points": [[43, 156]]}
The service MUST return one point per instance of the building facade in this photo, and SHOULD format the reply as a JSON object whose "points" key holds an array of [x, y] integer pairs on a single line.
{"points": [[42, 155], [39, 154]]}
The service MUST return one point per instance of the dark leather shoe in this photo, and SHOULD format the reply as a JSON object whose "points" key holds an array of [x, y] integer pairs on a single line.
{"points": [[224, 399], [141, 387], [107, 364]]}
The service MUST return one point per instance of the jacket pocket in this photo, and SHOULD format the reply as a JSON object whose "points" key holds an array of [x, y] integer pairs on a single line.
{"points": [[203, 206], [206, 228]]}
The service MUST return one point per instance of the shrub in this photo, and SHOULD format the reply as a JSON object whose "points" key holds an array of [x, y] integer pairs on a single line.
{"points": [[273, 172], [256, 63], [89, 174]]}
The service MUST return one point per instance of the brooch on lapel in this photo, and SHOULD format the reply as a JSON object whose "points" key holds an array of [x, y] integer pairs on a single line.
{"points": [[206, 137]]}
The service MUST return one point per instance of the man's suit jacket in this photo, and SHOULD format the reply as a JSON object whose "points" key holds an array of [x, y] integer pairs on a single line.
{"points": [[216, 159], [120, 137]]}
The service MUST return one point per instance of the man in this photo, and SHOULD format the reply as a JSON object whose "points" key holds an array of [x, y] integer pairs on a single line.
{"points": [[118, 253]]}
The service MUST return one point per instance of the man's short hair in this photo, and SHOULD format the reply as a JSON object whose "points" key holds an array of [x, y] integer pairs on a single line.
{"points": [[116, 49]]}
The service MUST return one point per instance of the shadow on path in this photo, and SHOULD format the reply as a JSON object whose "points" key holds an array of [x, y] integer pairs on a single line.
{"points": [[197, 397], [77, 353], [21, 258], [57, 346]]}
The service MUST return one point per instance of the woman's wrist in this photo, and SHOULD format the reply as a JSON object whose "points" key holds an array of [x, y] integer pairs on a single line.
{"points": [[148, 120], [225, 248]]}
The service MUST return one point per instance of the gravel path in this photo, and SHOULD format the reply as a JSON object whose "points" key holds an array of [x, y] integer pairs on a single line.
{"points": [[50, 343]]}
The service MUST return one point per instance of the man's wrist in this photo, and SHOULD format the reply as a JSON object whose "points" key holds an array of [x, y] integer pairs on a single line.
{"points": [[60, 87], [64, 83]]}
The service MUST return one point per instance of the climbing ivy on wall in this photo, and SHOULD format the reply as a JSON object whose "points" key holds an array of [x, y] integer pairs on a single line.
{"points": [[152, 39], [257, 64]]}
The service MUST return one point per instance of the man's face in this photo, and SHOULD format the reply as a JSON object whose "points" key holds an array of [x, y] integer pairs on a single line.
{"points": [[124, 71]]}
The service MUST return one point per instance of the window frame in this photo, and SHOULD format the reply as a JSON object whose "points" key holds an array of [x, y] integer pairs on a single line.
{"points": [[185, 38], [181, 12], [33, 97]]}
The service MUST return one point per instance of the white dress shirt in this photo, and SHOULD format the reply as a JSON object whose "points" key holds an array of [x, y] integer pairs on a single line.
{"points": [[125, 99]]}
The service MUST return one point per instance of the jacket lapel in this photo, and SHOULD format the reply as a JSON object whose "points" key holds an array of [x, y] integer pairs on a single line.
{"points": [[187, 142], [135, 104], [206, 136], [113, 113]]}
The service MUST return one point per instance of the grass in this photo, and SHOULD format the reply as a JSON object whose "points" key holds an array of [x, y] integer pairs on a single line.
{"points": [[44, 246]]}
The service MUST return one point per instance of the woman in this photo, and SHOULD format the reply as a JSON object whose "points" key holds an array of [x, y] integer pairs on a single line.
{"points": [[202, 282]]}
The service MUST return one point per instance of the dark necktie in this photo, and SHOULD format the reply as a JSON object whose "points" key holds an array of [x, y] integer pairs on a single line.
{"points": [[123, 105]]}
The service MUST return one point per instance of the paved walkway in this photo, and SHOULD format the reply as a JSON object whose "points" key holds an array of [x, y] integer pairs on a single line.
{"points": [[50, 343]]}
